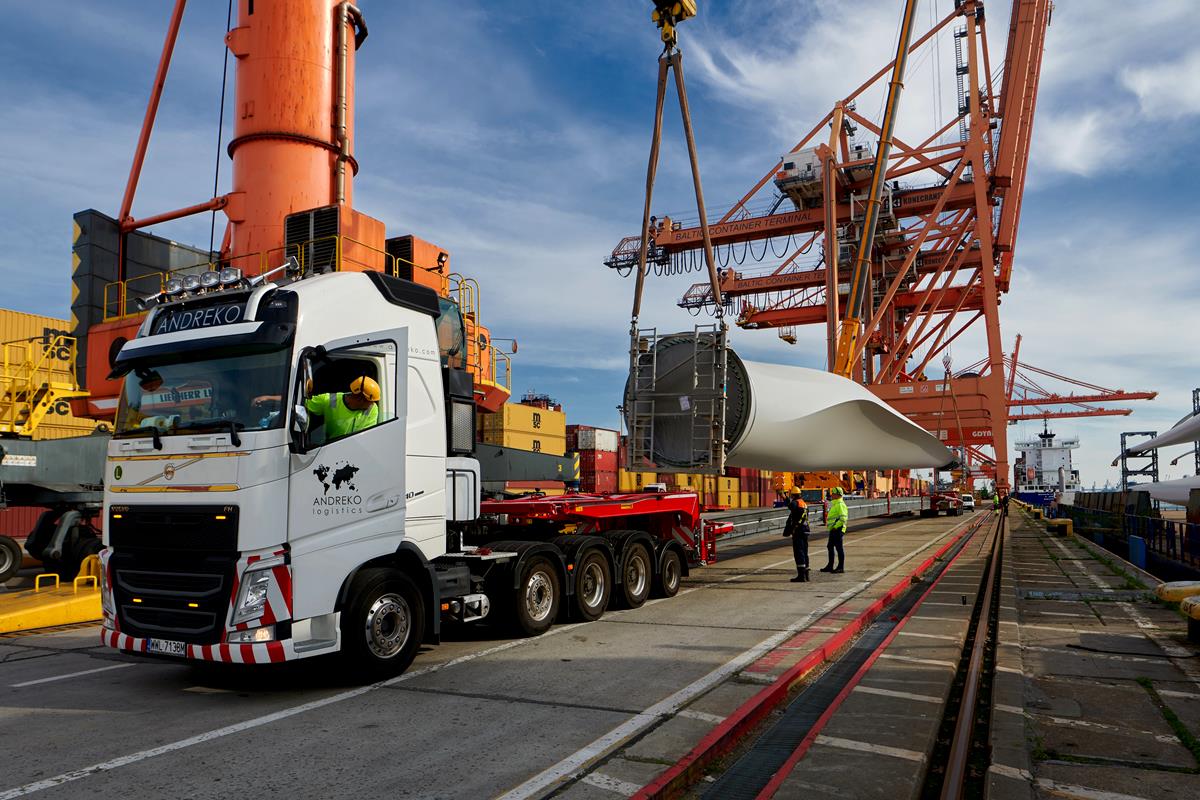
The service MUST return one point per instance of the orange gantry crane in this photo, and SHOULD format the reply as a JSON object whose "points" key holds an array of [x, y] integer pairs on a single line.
{"points": [[898, 247]]}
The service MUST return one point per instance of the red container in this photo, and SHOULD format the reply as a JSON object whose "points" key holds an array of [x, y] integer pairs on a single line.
{"points": [[598, 461], [18, 521], [598, 481]]}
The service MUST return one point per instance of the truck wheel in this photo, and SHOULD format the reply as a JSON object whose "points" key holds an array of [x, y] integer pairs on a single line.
{"points": [[383, 624], [537, 597], [636, 575], [10, 558], [668, 580], [593, 585]]}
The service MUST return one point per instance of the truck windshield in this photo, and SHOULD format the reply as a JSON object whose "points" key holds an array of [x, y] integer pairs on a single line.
{"points": [[205, 394]]}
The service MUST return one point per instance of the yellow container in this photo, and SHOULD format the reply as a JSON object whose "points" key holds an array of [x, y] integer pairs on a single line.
{"points": [[728, 485], [728, 499], [749, 500], [18, 326], [534, 442], [635, 481], [514, 417]]}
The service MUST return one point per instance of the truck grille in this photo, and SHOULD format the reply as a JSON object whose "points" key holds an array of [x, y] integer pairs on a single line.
{"points": [[173, 570]]}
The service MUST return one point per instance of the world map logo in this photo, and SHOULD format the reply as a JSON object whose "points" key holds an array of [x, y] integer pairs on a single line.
{"points": [[339, 476]]}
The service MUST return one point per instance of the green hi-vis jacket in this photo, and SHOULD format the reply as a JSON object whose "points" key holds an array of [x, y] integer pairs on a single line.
{"points": [[340, 420], [838, 514]]}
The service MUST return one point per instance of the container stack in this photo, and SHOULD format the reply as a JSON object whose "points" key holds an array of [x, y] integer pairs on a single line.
{"points": [[522, 427], [597, 448]]}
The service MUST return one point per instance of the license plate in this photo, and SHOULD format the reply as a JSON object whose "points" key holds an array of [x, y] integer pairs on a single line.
{"points": [[166, 647]]}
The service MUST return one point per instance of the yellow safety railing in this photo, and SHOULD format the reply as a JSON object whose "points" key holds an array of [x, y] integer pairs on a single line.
{"points": [[35, 374]]}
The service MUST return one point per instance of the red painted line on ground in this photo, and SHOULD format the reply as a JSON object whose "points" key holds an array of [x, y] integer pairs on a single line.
{"points": [[782, 773], [772, 659], [726, 734]]}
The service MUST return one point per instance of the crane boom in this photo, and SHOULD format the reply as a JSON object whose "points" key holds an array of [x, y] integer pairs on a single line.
{"points": [[852, 326]]}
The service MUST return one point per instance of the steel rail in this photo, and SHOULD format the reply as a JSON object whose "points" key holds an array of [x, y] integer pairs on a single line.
{"points": [[954, 779]]}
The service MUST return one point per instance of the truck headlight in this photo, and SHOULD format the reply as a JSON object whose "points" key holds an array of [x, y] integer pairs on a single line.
{"points": [[252, 595], [108, 606]]}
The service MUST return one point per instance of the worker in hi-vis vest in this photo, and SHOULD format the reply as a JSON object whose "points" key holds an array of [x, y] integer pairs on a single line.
{"points": [[348, 412], [835, 523], [797, 528]]}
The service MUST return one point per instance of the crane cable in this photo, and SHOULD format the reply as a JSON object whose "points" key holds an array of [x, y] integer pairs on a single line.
{"points": [[212, 228]]}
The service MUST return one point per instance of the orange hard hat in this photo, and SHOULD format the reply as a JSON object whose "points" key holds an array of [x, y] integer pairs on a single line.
{"points": [[366, 388]]}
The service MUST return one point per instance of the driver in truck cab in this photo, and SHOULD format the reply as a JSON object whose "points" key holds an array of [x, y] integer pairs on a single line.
{"points": [[348, 412]]}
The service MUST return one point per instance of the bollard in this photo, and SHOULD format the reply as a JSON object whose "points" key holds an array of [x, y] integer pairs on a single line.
{"points": [[1137, 551], [1061, 527]]}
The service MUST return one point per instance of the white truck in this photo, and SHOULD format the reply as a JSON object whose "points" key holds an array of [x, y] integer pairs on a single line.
{"points": [[235, 530]]}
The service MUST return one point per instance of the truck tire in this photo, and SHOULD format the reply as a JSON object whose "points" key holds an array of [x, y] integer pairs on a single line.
{"points": [[10, 558], [670, 576], [383, 624], [593, 585], [637, 574], [537, 597]]}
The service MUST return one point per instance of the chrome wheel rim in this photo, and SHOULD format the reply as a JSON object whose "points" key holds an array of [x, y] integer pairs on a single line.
{"points": [[636, 574], [389, 623], [592, 586], [539, 596], [6, 560], [670, 573]]}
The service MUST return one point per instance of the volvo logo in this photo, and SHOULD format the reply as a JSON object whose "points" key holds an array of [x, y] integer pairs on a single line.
{"points": [[169, 471]]}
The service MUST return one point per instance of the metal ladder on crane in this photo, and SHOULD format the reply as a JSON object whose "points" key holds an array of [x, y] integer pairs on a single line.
{"points": [[35, 375]]}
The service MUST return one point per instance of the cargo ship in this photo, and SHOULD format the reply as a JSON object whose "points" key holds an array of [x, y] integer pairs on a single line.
{"points": [[1043, 469]]}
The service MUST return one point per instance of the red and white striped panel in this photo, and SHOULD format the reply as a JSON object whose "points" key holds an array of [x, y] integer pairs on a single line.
{"points": [[279, 593], [262, 653]]}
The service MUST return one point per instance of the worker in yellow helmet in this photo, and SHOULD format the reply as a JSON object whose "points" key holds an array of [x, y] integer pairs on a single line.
{"points": [[835, 523], [348, 412]]}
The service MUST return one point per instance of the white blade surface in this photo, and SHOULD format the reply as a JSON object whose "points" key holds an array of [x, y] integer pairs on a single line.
{"points": [[807, 420], [1185, 432]]}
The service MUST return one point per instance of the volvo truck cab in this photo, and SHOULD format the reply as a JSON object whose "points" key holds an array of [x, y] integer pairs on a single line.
{"points": [[238, 526]]}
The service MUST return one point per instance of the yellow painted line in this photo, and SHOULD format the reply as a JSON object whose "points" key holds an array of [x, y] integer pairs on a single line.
{"points": [[188, 456]]}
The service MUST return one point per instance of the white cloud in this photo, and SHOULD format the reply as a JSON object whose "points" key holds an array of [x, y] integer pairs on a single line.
{"points": [[1080, 142], [1169, 90]]}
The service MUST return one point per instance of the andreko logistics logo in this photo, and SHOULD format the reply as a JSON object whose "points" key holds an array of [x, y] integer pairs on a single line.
{"points": [[339, 495]]}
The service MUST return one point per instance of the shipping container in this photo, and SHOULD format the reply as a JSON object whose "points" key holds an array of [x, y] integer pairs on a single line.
{"points": [[749, 500], [635, 481], [534, 442], [598, 461], [18, 521], [517, 418], [598, 482], [16, 326], [586, 437]]}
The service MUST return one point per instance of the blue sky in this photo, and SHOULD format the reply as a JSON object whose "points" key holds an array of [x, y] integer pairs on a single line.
{"points": [[516, 136]]}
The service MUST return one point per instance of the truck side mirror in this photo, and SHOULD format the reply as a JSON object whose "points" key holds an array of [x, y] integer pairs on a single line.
{"points": [[299, 428]]}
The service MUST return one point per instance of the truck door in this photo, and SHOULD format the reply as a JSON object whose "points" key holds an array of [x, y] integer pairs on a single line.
{"points": [[347, 487]]}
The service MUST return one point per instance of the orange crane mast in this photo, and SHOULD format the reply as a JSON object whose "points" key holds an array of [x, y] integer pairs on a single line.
{"points": [[292, 195], [929, 226]]}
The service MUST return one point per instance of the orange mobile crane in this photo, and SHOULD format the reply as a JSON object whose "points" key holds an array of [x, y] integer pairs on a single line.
{"points": [[928, 227], [293, 178]]}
